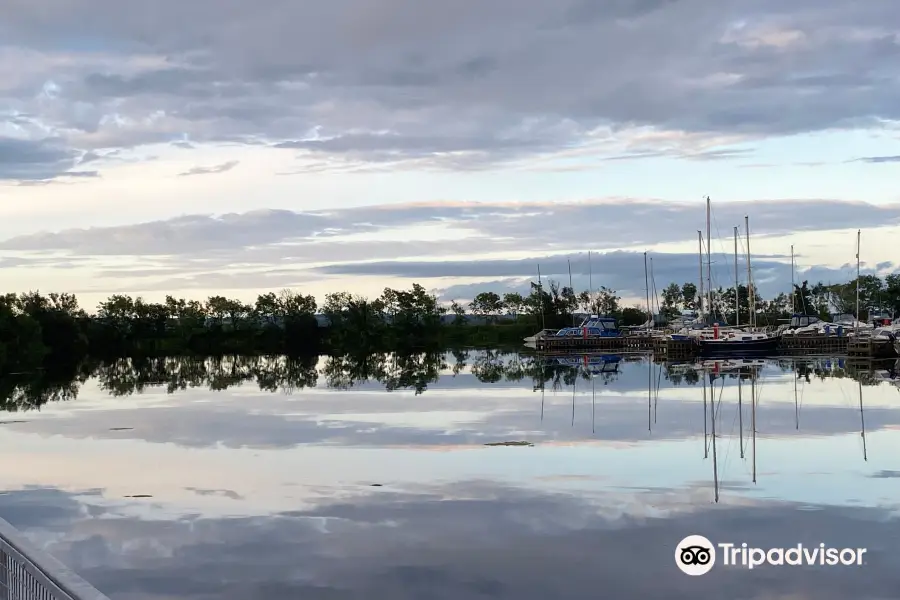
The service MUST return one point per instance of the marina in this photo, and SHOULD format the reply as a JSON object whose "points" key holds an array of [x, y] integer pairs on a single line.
{"points": [[714, 332], [673, 345]]}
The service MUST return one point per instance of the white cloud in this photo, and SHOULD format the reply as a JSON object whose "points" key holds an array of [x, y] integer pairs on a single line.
{"points": [[448, 245], [362, 105]]}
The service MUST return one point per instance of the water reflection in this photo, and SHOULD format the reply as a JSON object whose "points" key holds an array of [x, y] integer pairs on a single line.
{"points": [[414, 372], [380, 476]]}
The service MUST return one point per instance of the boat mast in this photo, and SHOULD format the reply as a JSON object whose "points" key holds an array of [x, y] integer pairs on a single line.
{"points": [[796, 404], [575, 385], [751, 301], [740, 414], [541, 298], [753, 417], [862, 421], [858, 232], [647, 283], [542, 394], [737, 295], [591, 285], [793, 285], [709, 289], [571, 287], [649, 392], [705, 421], [715, 462], [700, 295]]}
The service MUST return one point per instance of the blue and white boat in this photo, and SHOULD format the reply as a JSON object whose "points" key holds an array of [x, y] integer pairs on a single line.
{"points": [[593, 326], [589, 362]]}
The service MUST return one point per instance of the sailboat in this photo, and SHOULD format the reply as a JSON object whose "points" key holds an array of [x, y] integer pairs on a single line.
{"points": [[736, 342]]}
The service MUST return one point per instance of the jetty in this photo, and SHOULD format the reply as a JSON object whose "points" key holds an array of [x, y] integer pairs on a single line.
{"points": [[869, 348]]}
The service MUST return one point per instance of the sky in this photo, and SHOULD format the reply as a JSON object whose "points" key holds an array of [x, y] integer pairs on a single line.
{"points": [[228, 147]]}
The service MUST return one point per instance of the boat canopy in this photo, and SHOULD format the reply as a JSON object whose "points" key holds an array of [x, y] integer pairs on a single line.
{"points": [[800, 320], [593, 325]]}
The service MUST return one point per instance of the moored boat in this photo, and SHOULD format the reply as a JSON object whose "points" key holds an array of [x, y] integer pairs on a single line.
{"points": [[593, 326], [531, 339], [741, 343]]}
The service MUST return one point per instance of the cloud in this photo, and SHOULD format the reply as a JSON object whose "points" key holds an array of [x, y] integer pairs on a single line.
{"points": [[886, 474], [622, 271], [227, 166], [182, 235], [270, 249], [465, 540], [35, 160], [458, 87], [597, 224], [880, 159]]}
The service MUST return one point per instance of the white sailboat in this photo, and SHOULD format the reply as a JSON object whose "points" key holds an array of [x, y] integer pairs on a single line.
{"points": [[726, 340]]}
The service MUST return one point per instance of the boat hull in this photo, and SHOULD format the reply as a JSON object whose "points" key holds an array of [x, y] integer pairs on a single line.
{"points": [[757, 347]]}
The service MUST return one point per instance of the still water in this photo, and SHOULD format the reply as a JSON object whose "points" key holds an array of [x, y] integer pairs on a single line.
{"points": [[386, 477]]}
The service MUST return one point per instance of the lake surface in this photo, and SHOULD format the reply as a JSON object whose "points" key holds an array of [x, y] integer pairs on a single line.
{"points": [[372, 478]]}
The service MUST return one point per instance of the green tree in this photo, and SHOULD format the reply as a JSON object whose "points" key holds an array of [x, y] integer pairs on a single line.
{"points": [[459, 312], [487, 305], [632, 316], [514, 303], [607, 301], [689, 297], [672, 301]]}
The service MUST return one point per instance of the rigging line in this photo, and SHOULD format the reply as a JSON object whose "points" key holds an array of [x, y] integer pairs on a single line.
{"points": [[724, 250], [734, 420], [718, 229], [731, 434]]}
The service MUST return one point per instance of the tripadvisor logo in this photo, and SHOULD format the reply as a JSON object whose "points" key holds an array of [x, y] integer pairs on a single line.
{"points": [[696, 555]]}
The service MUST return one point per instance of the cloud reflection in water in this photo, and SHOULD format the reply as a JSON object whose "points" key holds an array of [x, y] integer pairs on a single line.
{"points": [[260, 495]]}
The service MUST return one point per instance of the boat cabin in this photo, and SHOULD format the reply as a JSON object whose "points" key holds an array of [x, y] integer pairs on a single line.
{"points": [[592, 326], [799, 320]]}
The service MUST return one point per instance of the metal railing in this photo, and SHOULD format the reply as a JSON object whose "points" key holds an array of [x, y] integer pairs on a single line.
{"points": [[27, 573]]}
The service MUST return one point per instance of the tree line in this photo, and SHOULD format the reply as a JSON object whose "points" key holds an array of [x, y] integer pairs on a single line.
{"points": [[36, 329], [284, 374], [876, 296]]}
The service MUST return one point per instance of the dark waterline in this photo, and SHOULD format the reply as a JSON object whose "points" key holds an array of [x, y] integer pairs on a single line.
{"points": [[391, 477]]}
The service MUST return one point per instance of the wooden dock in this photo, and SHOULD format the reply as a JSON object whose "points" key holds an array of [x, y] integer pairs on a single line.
{"points": [[814, 344], [667, 349], [580, 343], [871, 349], [640, 343], [678, 349]]}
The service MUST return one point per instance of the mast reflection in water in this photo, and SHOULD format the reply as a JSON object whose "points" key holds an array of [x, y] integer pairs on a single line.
{"points": [[438, 475]]}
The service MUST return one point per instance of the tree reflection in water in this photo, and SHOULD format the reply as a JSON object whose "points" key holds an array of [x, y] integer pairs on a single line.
{"points": [[393, 371]]}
